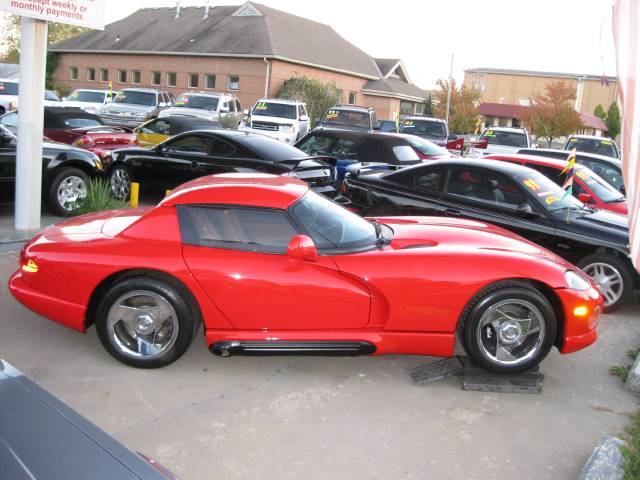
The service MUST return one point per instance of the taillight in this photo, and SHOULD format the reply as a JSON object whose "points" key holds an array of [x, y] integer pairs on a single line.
{"points": [[27, 264], [343, 187], [85, 141]]}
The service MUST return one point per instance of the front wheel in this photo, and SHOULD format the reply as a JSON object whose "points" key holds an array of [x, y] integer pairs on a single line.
{"points": [[145, 322], [613, 277], [508, 328], [67, 188], [120, 182]]}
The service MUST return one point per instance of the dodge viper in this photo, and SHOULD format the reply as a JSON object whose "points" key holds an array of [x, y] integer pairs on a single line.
{"points": [[271, 267]]}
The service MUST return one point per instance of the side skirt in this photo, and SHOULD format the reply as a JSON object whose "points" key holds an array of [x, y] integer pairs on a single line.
{"points": [[336, 349]]}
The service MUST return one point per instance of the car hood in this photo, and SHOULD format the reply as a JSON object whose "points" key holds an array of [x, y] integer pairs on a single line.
{"points": [[463, 235], [603, 226], [127, 107], [190, 112]]}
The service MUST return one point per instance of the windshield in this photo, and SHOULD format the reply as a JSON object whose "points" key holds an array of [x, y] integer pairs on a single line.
{"points": [[550, 195], [136, 98], [593, 145], [598, 186], [271, 149], [427, 148], [266, 109], [197, 101], [509, 139], [8, 88], [429, 128], [347, 118], [86, 96], [330, 225]]}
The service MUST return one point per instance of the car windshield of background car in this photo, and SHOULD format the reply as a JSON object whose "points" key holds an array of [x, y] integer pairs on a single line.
{"points": [[598, 186], [590, 145], [509, 139], [136, 98], [85, 96], [346, 118], [424, 127], [266, 109], [197, 101], [8, 88]]}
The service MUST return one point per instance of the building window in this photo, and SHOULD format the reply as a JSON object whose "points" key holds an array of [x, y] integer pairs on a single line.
{"points": [[91, 74], [172, 79], [122, 76], [104, 75], [234, 82], [73, 73], [155, 78], [353, 96], [192, 81], [406, 108], [210, 81], [135, 77]]}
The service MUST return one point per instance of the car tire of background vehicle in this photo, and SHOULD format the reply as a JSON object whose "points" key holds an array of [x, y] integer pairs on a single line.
{"points": [[613, 277], [68, 185], [508, 327], [137, 312], [120, 182]]}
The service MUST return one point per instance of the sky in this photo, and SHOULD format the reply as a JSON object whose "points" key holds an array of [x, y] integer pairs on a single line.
{"points": [[572, 36]]}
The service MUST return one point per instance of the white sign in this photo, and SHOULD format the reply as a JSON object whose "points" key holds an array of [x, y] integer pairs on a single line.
{"points": [[84, 13]]}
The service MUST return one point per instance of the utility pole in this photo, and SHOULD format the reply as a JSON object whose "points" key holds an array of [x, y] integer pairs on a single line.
{"points": [[446, 119]]}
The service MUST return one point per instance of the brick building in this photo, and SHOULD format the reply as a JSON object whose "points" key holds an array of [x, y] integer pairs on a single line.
{"points": [[249, 50]]}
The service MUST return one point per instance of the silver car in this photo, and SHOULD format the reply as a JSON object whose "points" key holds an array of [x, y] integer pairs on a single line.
{"points": [[223, 108], [133, 106]]}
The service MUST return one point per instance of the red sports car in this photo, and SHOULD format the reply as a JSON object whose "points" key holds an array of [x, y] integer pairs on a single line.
{"points": [[588, 187], [270, 267]]}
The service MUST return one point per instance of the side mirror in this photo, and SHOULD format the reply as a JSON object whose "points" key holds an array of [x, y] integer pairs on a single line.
{"points": [[525, 210], [302, 247], [584, 198], [163, 104], [304, 118], [484, 143], [245, 111], [224, 110]]}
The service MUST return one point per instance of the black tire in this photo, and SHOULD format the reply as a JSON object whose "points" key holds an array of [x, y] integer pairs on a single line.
{"points": [[187, 320], [490, 297], [618, 266], [120, 182], [76, 179]]}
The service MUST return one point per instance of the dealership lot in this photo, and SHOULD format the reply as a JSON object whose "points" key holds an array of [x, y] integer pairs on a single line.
{"points": [[306, 417]]}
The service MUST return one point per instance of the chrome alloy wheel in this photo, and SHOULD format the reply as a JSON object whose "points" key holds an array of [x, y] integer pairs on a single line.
{"points": [[608, 279], [142, 324], [511, 332], [120, 182], [70, 190]]}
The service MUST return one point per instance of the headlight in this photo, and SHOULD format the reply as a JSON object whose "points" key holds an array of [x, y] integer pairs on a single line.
{"points": [[98, 164], [576, 281], [286, 128]]}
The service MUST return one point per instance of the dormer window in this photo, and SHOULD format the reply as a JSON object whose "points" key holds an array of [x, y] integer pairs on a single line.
{"points": [[247, 10]]}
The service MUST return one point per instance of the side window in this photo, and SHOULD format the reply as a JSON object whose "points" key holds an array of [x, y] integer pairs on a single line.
{"points": [[432, 180], [551, 173], [405, 153], [191, 144], [159, 127], [345, 150], [221, 148], [237, 228], [317, 145], [486, 187], [238, 107], [301, 112]]}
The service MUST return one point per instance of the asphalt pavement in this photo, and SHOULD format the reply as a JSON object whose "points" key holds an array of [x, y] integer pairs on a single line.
{"points": [[317, 418]]}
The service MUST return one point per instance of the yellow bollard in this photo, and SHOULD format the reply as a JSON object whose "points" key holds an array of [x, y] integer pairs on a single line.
{"points": [[133, 198], [167, 192]]}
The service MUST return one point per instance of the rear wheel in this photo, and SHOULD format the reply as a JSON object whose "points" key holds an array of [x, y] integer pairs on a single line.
{"points": [[508, 328], [145, 322], [613, 277], [120, 182], [67, 188]]}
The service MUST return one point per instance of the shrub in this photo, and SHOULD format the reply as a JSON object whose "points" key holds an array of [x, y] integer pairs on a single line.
{"points": [[98, 198], [318, 96]]}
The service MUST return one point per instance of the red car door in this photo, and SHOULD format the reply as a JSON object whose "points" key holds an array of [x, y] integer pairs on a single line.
{"points": [[238, 256]]}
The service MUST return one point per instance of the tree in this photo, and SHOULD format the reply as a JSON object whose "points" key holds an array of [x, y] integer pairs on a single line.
{"points": [[463, 110], [551, 114], [613, 120], [318, 96], [599, 112], [428, 106], [56, 32]]}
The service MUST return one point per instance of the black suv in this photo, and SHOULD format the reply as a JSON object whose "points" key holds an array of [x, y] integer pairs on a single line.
{"points": [[349, 117]]}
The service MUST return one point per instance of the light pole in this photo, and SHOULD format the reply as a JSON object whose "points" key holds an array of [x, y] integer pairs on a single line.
{"points": [[446, 118]]}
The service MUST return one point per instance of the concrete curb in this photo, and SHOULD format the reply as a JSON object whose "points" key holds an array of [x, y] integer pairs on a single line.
{"points": [[633, 379], [605, 461]]}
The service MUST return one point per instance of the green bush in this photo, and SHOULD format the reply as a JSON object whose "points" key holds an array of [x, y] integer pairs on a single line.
{"points": [[631, 453], [98, 198], [318, 96]]}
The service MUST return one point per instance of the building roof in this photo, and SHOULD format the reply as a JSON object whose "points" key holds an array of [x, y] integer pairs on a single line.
{"points": [[250, 30], [396, 88], [533, 73], [506, 110], [593, 122], [385, 65]]}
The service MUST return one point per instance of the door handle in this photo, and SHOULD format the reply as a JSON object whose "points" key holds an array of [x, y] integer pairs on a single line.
{"points": [[194, 164], [452, 212]]}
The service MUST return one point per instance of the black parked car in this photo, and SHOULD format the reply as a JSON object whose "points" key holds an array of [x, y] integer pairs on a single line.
{"points": [[66, 172], [514, 197], [608, 168], [205, 152], [348, 147]]}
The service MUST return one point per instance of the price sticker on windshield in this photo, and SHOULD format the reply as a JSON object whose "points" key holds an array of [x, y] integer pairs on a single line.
{"points": [[606, 142], [408, 123], [551, 199], [531, 184], [261, 106]]}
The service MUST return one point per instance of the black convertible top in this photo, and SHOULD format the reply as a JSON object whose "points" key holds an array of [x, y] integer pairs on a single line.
{"points": [[54, 117]]}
